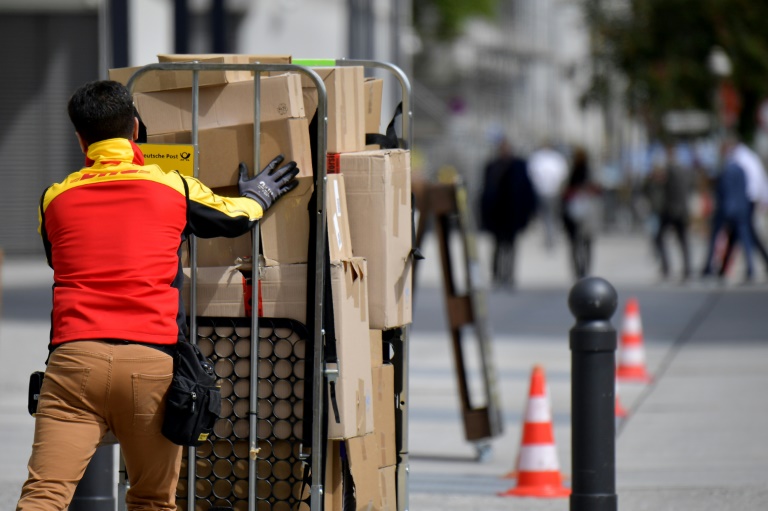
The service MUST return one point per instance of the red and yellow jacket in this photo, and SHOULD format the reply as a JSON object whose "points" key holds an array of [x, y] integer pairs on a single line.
{"points": [[113, 232]]}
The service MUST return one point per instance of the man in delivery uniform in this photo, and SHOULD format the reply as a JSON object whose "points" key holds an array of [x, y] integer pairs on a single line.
{"points": [[113, 233]]}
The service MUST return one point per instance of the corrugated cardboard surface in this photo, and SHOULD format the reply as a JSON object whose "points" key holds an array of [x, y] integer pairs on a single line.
{"points": [[354, 386], [222, 149], [226, 58], [377, 350], [384, 413], [284, 291], [337, 216], [362, 455], [333, 490], [220, 292], [156, 80], [285, 226], [378, 185], [219, 251], [221, 105], [387, 488], [372, 94], [346, 109]]}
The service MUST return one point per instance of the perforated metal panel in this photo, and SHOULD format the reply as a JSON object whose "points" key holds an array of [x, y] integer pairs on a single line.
{"points": [[221, 464]]}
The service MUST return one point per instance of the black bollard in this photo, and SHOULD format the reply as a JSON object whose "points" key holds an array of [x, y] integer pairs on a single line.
{"points": [[593, 301], [95, 491]]}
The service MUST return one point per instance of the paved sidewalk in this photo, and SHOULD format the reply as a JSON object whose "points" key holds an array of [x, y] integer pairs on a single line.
{"points": [[694, 439]]}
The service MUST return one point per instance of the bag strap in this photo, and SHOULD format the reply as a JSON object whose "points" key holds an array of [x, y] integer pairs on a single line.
{"points": [[389, 140]]}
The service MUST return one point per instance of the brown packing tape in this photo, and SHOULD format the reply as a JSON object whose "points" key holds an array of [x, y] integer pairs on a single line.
{"points": [[360, 287], [401, 196], [361, 406], [403, 288]]}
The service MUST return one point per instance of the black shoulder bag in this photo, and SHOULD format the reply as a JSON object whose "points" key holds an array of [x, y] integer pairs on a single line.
{"points": [[193, 402]]}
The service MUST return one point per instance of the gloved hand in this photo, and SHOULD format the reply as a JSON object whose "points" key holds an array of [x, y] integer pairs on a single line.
{"points": [[269, 184]]}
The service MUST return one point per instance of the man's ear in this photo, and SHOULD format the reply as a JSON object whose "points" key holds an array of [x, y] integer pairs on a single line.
{"points": [[83, 143], [135, 128]]}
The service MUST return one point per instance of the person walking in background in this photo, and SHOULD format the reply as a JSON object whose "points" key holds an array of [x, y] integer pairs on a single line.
{"points": [[731, 209], [580, 213], [668, 187], [548, 169], [757, 192], [508, 202]]}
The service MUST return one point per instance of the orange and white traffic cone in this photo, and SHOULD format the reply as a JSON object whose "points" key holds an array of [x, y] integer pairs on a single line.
{"points": [[619, 411], [538, 471], [631, 364]]}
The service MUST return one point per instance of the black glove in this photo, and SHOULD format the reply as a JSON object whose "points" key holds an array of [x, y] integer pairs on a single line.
{"points": [[270, 184]]}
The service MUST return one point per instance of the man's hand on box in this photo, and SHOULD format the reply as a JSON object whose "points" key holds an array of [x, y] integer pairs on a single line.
{"points": [[269, 184]]}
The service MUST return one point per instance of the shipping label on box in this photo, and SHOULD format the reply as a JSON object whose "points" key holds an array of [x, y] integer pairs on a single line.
{"points": [[170, 111], [378, 185], [346, 110], [222, 149], [170, 157]]}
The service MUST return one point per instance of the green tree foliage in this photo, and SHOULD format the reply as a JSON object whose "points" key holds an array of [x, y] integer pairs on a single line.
{"points": [[443, 20], [662, 48]]}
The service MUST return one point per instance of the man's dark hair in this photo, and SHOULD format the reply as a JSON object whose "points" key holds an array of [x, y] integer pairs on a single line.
{"points": [[101, 110]]}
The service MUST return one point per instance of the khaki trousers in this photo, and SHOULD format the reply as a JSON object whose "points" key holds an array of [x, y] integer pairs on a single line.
{"points": [[92, 387]]}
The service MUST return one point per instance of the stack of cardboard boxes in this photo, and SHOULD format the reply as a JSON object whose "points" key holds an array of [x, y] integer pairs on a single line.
{"points": [[368, 208]]}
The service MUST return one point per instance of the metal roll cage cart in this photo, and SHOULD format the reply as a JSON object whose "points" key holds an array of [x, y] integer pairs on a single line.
{"points": [[399, 337]]}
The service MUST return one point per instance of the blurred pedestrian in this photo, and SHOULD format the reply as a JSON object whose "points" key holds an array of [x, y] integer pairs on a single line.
{"points": [[731, 209], [580, 212], [508, 203], [668, 187], [548, 169], [757, 192]]}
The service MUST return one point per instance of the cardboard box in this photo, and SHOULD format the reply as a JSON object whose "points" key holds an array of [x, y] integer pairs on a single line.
{"points": [[221, 76], [219, 251], [377, 348], [220, 292], [285, 227], [383, 378], [156, 80], [339, 239], [378, 185], [388, 488], [375, 489], [222, 149], [334, 490], [353, 387], [372, 96], [284, 291], [365, 473], [283, 295], [170, 111], [346, 110]]}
